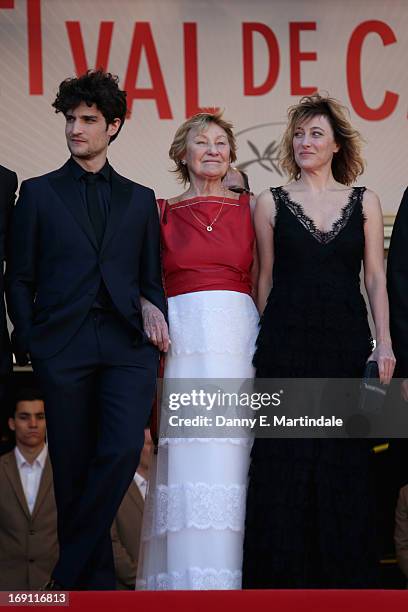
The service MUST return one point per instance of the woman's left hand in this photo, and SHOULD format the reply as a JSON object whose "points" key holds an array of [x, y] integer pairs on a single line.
{"points": [[384, 356]]}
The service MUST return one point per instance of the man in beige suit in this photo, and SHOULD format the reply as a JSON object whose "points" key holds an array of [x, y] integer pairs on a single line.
{"points": [[28, 518], [127, 525]]}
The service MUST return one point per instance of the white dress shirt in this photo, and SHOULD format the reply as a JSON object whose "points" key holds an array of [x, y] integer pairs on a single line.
{"points": [[30, 475], [141, 484]]}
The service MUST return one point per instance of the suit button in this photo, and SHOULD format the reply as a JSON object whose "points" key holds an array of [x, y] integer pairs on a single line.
{"points": [[31, 532], [31, 560]]}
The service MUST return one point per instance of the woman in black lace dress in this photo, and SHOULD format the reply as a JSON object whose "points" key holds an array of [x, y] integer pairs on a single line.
{"points": [[309, 515]]}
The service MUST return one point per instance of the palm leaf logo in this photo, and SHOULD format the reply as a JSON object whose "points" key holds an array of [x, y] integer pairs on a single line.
{"points": [[268, 160]]}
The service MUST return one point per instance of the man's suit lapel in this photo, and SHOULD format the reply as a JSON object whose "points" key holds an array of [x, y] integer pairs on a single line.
{"points": [[120, 200], [13, 475], [67, 190], [45, 484]]}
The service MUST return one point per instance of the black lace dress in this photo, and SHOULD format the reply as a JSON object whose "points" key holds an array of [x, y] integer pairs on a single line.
{"points": [[309, 517]]}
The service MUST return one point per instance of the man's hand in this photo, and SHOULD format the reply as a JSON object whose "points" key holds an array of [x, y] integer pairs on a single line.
{"points": [[155, 326]]}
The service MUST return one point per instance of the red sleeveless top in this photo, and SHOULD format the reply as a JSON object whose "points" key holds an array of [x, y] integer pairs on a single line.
{"points": [[194, 259]]}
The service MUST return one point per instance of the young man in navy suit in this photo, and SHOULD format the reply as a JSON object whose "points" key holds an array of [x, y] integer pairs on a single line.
{"points": [[84, 254]]}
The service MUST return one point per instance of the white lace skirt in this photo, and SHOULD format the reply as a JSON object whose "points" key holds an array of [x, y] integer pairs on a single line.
{"points": [[193, 525]]}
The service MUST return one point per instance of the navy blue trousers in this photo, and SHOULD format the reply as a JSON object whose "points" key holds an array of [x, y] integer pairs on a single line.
{"points": [[98, 395]]}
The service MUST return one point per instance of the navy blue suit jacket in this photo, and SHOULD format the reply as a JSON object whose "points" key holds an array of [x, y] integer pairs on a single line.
{"points": [[397, 285], [8, 187], [56, 266]]}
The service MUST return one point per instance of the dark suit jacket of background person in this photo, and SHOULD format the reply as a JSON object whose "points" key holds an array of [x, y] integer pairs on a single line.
{"points": [[64, 277], [397, 284], [8, 188], [401, 530], [126, 531], [28, 542]]}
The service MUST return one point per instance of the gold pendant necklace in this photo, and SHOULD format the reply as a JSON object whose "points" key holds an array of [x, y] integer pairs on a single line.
{"points": [[209, 227]]}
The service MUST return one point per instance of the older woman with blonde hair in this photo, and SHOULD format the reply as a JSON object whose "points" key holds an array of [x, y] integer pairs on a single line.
{"points": [[193, 532], [309, 514]]}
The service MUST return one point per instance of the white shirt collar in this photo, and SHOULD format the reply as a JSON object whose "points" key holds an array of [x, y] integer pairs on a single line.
{"points": [[140, 481], [39, 460]]}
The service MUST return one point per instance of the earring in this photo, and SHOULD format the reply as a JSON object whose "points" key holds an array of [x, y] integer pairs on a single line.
{"points": [[183, 161]]}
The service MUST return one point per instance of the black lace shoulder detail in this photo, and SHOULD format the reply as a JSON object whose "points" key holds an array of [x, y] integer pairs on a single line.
{"points": [[275, 191], [359, 195], [276, 194], [355, 199]]}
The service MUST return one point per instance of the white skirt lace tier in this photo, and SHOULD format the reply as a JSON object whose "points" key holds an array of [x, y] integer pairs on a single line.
{"points": [[193, 524]]}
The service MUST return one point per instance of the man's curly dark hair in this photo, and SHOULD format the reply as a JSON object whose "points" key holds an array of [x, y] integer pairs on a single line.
{"points": [[94, 87]]}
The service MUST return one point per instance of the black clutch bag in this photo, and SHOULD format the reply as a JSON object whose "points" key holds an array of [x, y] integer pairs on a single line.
{"points": [[372, 392]]}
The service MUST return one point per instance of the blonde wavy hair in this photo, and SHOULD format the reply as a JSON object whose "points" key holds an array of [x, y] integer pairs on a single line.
{"points": [[347, 163], [201, 122]]}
